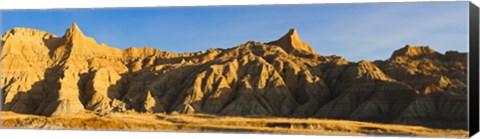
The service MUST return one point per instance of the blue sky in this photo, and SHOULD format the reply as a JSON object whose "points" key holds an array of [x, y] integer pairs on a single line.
{"points": [[355, 31]]}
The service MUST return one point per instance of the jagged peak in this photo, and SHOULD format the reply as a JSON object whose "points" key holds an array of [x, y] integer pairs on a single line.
{"points": [[74, 38], [20, 30], [292, 43], [27, 32], [414, 51], [74, 32], [292, 33]]}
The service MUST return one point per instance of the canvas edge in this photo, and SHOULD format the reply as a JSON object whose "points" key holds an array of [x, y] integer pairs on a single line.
{"points": [[473, 67]]}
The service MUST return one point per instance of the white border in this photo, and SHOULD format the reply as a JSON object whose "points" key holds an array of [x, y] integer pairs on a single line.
{"points": [[71, 134], [48, 4]]}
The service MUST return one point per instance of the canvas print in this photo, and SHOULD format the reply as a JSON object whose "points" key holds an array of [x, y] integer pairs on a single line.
{"points": [[325, 69]]}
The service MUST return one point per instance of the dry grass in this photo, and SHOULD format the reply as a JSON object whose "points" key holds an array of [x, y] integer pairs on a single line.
{"points": [[210, 123]]}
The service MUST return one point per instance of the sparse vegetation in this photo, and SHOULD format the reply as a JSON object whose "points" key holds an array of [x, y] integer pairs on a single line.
{"points": [[211, 123]]}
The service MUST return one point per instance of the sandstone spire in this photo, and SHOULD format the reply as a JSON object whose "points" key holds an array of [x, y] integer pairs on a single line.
{"points": [[73, 33], [151, 103], [75, 40], [292, 44]]}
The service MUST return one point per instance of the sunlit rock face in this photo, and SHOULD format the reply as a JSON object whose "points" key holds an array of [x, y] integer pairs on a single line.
{"points": [[47, 75]]}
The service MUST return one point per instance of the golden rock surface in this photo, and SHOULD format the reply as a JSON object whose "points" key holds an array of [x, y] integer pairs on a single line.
{"points": [[43, 74]]}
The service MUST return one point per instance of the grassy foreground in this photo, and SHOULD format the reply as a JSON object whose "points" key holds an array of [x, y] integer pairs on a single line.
{"points": [[211, 123]]}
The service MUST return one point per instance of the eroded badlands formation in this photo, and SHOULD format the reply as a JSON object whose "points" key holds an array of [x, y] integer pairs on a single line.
{"points": [[47, 75]]}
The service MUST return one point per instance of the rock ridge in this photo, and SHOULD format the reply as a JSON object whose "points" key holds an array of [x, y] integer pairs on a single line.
{"points": [[47, 75]]}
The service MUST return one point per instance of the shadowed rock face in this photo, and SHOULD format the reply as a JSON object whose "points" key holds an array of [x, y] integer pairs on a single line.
{"points": [[48, 75]]}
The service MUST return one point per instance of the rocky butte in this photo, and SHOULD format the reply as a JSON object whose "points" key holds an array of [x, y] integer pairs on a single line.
{"points": [[43, 74]]}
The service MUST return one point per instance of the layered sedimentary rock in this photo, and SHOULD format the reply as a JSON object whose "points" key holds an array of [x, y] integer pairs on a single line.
{"points": [[48, 75]]}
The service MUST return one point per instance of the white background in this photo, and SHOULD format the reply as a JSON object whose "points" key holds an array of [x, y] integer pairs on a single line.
{"points": [[69, 134]]}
